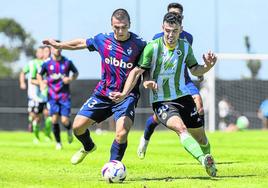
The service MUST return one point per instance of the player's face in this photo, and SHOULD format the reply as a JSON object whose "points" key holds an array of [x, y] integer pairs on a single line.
{"points": [[171, 34], [55, 52], [120, 28], [46, 53], [39, 53]]}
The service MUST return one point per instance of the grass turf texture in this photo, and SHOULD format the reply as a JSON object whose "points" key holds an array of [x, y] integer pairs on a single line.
{"points": [[242, 161]]}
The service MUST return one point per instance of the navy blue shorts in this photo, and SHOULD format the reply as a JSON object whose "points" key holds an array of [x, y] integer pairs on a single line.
{"points": [[61, 107], [99, 108]]}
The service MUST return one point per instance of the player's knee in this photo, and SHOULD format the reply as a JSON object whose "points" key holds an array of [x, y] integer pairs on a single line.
{"points": [[65, 122], [121, 136], [180, 129]]}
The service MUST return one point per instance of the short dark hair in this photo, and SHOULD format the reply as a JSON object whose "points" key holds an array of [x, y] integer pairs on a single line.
{"points": [[172, 18], [45, 46], [121, 14], [175, 5]]}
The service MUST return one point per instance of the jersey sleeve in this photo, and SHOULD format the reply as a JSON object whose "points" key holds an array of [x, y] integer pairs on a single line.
{"points": [[73, 68], [146, 57], [158, 35], [92, 43], [43, 69], [34, 71], [190, 59], [189, 38], [26, 68]]}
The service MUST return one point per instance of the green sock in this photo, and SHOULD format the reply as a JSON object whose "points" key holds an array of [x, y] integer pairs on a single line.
{"points": [[48, 125], [192, 146], [205, 148], [36, 128]]}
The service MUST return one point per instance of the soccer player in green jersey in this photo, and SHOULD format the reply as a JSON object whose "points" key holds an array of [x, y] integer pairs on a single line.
{"points": [[36, 99], [166, 58], [152, 122]]}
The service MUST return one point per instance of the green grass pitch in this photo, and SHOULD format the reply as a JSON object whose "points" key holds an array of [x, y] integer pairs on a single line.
{"points": [[242, 161]]}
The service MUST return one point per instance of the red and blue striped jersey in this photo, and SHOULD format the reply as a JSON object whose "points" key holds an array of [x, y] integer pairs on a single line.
{"points": [[118, 58], [55, 71]]}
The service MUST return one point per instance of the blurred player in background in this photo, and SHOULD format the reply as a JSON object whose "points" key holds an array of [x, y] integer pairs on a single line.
{"points": [[119, 51], [57, 70], [152, 122], [172, 103], [263, 114], [36, 99]]}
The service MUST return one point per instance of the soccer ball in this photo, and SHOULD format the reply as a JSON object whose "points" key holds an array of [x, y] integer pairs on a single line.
{"points": [[242, 122], [114, 172]]}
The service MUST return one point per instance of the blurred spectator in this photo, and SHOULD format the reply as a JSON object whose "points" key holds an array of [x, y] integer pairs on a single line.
{"points": [[242, 123], [263, 113], [230, 119], [226, 114]]}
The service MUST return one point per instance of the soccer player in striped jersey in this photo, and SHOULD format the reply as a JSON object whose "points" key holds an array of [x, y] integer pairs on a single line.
{"points": [[119, 51], [57, 72], [36, 99], [152, 122], [166, 58]]}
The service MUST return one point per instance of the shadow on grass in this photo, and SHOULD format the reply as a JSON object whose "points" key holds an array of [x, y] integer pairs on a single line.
{"points": [[169, 178], [217, 163]]}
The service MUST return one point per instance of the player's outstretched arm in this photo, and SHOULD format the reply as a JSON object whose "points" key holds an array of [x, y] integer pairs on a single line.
{"points": [[75, 44], [210, 60], [22, 81], [131, 81]]}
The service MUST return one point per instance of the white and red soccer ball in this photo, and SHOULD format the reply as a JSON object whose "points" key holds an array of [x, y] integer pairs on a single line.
{"points": [[114, 172]]}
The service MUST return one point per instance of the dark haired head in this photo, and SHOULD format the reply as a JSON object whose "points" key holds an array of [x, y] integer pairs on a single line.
{"points": [[120, 14], [57, 40], [44, 46], [172, 18], [175, 5]]}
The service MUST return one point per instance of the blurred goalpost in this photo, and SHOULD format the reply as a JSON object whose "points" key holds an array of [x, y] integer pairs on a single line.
{"points": [[210, 93]]}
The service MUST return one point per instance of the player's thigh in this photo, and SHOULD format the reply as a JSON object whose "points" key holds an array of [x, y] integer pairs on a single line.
{"points": [[125, 108], [168, 113], [176, 124], [188, 112], [65, 120], [96, 108], [199, 103], [54, 107], [55, 118], [65, 107], [45, 112]]}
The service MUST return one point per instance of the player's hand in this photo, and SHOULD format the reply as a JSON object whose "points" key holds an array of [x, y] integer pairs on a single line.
{"points": [[52, 42], [209, 59], [117, 96], [43, 85], [23, 86], [66, 80], [150, 85]]}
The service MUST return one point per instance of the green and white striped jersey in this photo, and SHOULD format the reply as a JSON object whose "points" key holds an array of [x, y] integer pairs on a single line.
{"points": [[34, 91], [167, 68]]}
